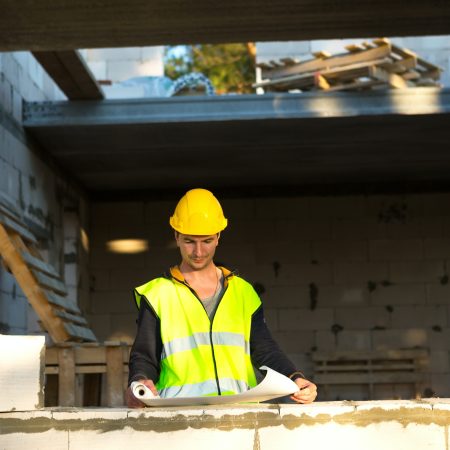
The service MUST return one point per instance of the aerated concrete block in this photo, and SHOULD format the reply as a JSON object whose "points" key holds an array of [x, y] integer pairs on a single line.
{"points": [[22, 372]]}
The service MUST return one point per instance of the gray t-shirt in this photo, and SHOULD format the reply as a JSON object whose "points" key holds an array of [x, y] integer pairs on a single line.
{"points": [[210, 303]]}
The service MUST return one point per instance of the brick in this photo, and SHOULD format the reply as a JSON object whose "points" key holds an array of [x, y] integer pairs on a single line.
{"points": [[394, 208], [351, 295], [124, 278], [123, 327], [403, 294], [353, 228], [100, 325], [283, 252], [362, 318], [410, 229], [282, 297], [233, 256], [440, 340], [435, 204], [121, 70], [306, 229], [419, 316], [245, 231], [304, 273], [399, 339], [416, 271], [154, 52], [437, 248], [438, 294], [325, 341], [353, 340], [282, 208], [102, 259], [440, 386], [151, 68], [337, 207], [159, 211], [305, 319], [339, 250], [112, 302], [114, 54], [298, 341], [396, 250], [360, 272], [439, 361], [237, 209], [98, 69]]}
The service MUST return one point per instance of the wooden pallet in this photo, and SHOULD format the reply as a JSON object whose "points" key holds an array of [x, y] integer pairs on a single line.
{"points": [[392, 367], [40, 282], [366, 66], [74, 365]]}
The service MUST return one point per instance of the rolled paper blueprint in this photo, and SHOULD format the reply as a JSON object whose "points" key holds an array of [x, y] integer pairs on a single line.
{"points": [[141, 391]]}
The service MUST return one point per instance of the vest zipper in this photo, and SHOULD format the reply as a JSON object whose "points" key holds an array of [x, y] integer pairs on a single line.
{"points": [[219, 392]]}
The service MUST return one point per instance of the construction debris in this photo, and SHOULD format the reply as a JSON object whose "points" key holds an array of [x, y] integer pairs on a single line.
{"points": [[371, 65]]}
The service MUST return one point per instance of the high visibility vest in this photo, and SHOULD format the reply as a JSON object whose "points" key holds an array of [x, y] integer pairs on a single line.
{"points": [[200, 356]]}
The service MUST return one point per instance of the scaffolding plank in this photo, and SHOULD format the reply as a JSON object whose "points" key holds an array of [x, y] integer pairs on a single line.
{"points": [[79, 332], [12, 225], [51, 283], [38, 264], [70, 317], [63, 302]]}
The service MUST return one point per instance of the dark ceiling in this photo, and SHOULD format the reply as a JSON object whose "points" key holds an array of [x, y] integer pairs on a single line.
{"points": [[62, 24], [275, 141]]}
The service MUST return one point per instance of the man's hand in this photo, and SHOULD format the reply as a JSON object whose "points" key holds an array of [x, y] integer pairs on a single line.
{"points": [[132, 401], [307, 392]]}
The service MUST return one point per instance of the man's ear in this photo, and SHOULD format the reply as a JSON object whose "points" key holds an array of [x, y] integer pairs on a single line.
{"points": [[176, 234], [218, 236]]}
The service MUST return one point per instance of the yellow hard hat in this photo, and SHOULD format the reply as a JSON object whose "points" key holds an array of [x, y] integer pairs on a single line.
{"points": [[198, 213]]}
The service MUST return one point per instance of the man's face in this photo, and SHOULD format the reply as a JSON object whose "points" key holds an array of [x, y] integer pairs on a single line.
{"points": [[197, 251]]}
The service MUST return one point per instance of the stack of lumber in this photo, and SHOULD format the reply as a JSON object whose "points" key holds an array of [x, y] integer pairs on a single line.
{"points": [[391, 367], [370, 65]]}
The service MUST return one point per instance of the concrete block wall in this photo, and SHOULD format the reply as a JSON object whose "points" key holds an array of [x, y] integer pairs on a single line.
{"points": [[351, 273], [434, 49], [28, 180]]}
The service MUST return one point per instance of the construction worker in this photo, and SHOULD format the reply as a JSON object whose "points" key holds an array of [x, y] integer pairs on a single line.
{"points": [[201, 328]]}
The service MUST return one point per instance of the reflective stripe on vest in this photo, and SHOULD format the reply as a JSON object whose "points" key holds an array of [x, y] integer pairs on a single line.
{"points": [[227, 386], [190, 342]]}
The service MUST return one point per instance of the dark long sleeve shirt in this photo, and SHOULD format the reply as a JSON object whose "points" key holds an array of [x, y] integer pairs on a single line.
{"points": [[146, 350]]}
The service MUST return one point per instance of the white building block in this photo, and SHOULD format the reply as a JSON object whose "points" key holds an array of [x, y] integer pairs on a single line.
{"points": [[22, 372]]}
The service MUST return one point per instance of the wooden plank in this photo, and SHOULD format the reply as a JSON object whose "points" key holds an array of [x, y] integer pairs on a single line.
{"points": [[321, 82], [333, 367], [70, 72], [70, 317], [66, 385], [114, 376], [394, 80], [364, 378], [63, 302], [319, 65], [17, 228], [321, 54], [38, 264], [78, 332], [31, 289], [373, 355], [51, 283]]}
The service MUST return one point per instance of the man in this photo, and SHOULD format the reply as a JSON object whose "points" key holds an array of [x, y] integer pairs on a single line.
{"points": [[201, 328]]}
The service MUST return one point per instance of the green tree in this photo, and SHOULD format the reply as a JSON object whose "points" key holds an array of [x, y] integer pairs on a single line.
{"points": [[230, 67]]}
